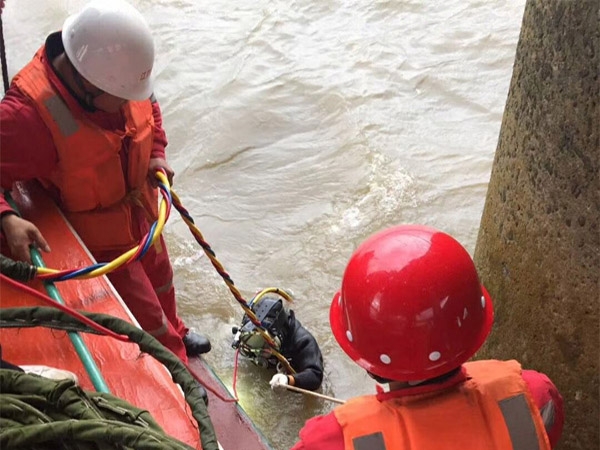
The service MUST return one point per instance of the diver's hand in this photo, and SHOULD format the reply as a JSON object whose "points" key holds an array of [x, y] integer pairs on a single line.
{"points": [[279, 381], [20, 234]]}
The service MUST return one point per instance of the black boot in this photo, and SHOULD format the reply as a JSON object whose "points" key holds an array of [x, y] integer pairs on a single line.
{"points": [[196, 344]]}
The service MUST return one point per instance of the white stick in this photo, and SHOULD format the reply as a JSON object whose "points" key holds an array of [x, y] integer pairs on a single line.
{"points": [[315, 394]]}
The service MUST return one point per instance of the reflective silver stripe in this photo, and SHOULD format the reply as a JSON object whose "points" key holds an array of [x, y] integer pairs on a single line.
{"points": [[369, 442], [161, 330], [519, 422], [547, 413], [61, 115], [164, 288]]}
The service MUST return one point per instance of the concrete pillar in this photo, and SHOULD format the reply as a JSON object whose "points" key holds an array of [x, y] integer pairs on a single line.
{"points": [[538, 246]]}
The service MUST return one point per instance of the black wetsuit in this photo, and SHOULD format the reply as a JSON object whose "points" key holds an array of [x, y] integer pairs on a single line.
{"points": [[301, 349]]}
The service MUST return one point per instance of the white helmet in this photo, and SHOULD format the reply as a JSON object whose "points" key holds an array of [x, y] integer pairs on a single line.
{"points": [[111, 46]]}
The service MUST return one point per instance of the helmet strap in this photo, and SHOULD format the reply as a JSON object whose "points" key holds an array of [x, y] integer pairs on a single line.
{"points": [[88, 97]]}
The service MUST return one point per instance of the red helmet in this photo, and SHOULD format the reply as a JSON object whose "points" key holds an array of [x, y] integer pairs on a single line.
{"points": [[411, 306]]}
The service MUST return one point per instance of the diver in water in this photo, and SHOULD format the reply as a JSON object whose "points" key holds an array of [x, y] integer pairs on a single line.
{"points": [[293, 341]]}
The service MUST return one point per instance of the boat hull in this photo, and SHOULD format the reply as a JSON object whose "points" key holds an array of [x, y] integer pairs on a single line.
{"points": [[128, 373]]}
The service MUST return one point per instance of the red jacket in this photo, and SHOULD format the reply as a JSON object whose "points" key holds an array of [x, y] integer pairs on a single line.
{"points": [[325, 433], [27, 146]]}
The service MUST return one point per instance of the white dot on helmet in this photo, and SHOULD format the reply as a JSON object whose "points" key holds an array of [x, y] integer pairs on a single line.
{"points": [[349, 335], [483, 302], [434, 356], [385, 359]]}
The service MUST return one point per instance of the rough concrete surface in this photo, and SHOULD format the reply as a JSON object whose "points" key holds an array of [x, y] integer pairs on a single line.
{"points": [[538, 248]]}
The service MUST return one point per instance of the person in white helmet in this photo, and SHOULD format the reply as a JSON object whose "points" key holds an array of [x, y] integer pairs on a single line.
{"points": [[81, 119]]}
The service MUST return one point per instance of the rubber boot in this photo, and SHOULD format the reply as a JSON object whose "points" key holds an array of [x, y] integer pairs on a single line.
{"points": [[196, 344]]}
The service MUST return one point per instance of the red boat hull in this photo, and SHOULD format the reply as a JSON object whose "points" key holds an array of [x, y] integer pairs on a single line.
{"points": [[129, 374]]}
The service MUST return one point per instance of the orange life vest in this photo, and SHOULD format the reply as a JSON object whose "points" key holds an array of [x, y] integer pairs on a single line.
{"points": [[492, 410], [94, 193]]}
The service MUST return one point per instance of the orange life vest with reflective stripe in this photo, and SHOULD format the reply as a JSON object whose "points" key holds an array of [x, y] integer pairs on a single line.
{"points": [[492, 410], [94, 193]]}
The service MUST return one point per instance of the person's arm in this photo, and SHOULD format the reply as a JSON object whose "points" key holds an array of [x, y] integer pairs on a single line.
{"points": [[28, 152], [26, 144], [160, 136], [158, 158], [549, 402], [320, 433], [306, 359]]}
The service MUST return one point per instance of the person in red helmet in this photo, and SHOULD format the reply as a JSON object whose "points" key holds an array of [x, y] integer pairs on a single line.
{"points": [[81, 118], [411, 311]]}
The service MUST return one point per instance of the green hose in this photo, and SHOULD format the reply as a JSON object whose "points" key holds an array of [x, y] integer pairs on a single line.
{"points": [[83, 352]]}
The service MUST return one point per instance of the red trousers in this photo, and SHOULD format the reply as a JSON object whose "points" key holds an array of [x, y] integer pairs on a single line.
{"points": [[146, 287]]}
